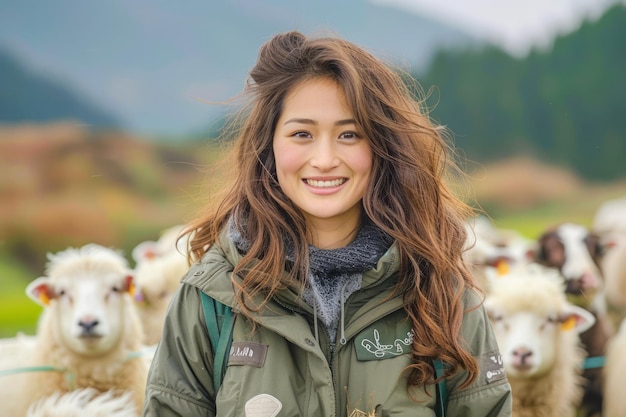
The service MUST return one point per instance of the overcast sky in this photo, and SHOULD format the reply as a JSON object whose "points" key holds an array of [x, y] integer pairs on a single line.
{"points": [[515, 25]]}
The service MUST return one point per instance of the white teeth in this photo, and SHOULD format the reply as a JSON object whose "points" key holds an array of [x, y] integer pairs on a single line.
{"points": [[325, 184]]}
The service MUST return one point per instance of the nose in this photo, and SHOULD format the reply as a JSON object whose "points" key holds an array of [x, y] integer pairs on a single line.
{"points": [[88, 324], [325, 155], [522, 358]]}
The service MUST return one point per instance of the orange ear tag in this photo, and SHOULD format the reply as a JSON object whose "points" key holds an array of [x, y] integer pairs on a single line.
{"points": [[503, 268], [131, 289], [43, 297], [568, 324]]}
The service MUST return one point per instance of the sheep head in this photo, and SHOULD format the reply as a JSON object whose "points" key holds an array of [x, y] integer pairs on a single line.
{"points": [[532, 320], [87, 297]]}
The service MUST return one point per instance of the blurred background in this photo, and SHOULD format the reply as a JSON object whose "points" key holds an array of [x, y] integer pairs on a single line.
{"points": [[109, 110]]}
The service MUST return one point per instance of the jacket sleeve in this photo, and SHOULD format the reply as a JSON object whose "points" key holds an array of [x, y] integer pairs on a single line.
{"points": [[179, 381], [490, 395]]}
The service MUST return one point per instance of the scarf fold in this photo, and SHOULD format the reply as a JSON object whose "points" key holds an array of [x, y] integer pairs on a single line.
{"points": [[334, 274]]}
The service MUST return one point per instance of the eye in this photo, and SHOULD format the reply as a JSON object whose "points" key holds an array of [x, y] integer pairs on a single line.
{"points": [[62, 293], [115, 289], [350, 135], [301, 134]]}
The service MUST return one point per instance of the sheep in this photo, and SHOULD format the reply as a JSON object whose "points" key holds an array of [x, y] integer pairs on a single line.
{"points": [[537, 331], [576, 252], [88, 334], [615, 375], [159, 267], [489, 247], [84, 402], [609, 224]]}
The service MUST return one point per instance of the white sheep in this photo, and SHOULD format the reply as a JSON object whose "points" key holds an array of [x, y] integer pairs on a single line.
{"points": [[615, 375], [538, 335], [84, 402], [609, 224], [488, 247], [88, 334], [159, 267]]}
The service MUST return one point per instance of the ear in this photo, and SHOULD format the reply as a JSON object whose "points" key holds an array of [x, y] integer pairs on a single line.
{"points": [[129, 284], [145, 251], [576, 318], [40, 291]]}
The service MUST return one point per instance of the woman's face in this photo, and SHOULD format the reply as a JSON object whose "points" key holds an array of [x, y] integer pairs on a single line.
{"points": [[323, 162]]}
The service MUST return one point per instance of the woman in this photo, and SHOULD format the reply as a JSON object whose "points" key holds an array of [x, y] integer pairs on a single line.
{"points": [[339, 248]]}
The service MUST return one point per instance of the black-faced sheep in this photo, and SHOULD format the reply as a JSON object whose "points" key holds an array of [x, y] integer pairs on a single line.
{"points": [[159, 267], [538, 334], [88, 335]]}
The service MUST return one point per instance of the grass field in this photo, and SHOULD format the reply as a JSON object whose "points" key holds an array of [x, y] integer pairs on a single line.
{"points": [[18, 313]]}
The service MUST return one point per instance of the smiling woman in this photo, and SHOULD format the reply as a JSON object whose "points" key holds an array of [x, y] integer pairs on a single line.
{"points": [[338, 247], [322, 163]]}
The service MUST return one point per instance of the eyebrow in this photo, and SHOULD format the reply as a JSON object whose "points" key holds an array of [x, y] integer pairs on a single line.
{"points": [[313, 122]]}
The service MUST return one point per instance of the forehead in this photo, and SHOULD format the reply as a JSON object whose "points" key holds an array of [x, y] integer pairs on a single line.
{"points": [[314, 95], [98, 269], [572, 233]]}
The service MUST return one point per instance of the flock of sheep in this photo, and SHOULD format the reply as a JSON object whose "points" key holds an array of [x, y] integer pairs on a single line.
{"points": [[97, 333], [556, 303]]}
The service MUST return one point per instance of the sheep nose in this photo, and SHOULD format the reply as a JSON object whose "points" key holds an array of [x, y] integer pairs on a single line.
{"points": [[521, 357], [88, 325]]}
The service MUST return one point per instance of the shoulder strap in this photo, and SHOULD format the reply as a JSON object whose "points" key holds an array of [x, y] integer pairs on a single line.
{"points": [[220, 321], [442, 389]]}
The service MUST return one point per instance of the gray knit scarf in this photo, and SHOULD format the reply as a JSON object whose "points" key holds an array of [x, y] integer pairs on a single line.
{"points": [[334, 274]]}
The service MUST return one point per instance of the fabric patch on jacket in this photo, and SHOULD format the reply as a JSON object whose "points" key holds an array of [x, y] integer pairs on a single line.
{"points": [[263, 405], [247, 353], [381, 341], [493, 367]]}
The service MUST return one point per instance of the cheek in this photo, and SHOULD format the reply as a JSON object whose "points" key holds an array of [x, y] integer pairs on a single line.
{"points": [[361, 161], [289, 159]]}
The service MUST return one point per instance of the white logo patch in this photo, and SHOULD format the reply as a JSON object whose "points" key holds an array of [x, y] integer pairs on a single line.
{"points": [[263, 405]]}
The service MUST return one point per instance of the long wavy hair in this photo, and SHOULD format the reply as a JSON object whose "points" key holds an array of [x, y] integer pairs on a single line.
{"points": [[407, 196]]}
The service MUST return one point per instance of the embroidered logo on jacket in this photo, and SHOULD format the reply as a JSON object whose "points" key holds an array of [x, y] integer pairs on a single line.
{"points": [[374, 344], [493, 366]]}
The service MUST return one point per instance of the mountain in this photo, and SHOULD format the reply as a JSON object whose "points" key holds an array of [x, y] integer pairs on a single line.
{"points": [[27, 96], [152, 63]]}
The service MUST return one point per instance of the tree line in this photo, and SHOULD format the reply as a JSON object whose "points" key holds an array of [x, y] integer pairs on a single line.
{"points": [[566, 106]]}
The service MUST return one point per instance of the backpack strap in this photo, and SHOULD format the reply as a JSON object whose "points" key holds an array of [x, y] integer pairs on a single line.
{"points": [[220, 321], [442, 389]]}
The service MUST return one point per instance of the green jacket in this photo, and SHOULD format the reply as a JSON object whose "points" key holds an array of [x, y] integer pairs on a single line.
{"points": [[282, 370]]}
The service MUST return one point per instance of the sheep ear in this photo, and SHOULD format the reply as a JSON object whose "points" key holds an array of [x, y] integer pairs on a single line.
{"points": [[40, 291], [129, 285], [145, 251], [576, 318]]}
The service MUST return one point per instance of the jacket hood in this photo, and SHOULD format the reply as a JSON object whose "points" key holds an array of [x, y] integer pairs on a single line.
{"points": [[213, 274]]}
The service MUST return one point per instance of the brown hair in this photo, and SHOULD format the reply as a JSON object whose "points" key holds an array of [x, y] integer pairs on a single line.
{"points": [[407, 196]]}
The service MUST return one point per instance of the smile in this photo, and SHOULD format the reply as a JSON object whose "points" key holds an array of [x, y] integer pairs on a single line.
{"points": [[326, 183]]}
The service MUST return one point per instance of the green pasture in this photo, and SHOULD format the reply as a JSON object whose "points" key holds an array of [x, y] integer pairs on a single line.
{"points": [[18, 313]]}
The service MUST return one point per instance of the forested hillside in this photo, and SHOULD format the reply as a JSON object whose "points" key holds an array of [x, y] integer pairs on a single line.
{"points": [[565, 106]]}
